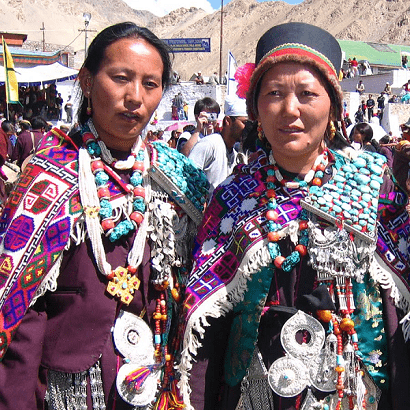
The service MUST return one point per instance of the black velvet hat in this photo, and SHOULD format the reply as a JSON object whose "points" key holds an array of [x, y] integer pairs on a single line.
{"points": [[303, 43]]}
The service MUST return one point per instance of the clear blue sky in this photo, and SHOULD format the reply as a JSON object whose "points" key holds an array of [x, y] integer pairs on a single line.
{"points": [[216, 4]]}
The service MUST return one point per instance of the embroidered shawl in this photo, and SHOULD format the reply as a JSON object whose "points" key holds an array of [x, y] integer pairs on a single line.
{"points": [[231, 249], [41, 215]]}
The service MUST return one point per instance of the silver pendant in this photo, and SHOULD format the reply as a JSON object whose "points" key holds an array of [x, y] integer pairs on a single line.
{"points": [[288, 376], [308, 349], [322, 370], [141, 397], [133, 338]]}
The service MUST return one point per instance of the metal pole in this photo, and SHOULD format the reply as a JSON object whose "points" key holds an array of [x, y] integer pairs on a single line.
{"points": [[86, 39], [44, 36], [220, 43]]}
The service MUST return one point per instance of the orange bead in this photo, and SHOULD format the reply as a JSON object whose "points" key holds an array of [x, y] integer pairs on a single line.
{"points": [[271, 193], [317, 181], [273, 236], [96, 165], [303, 225], [270, 179], [138, 166], [107, 224], [278, 261], [320, 167], [272, 215], [340, 369], [137, 217], [301, 249], [175, 295], [346, 324], [324, 315]]}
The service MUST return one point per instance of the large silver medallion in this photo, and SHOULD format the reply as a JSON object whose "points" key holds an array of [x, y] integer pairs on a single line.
{"points": [[133, 338], [288, 376], [310, 347]]}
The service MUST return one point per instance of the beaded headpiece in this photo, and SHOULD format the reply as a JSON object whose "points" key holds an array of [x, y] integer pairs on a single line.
{"points": [[298, 42]]}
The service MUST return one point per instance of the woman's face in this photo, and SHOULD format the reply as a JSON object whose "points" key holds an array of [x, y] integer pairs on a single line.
{"points": [[294, 110], [125, 91]]}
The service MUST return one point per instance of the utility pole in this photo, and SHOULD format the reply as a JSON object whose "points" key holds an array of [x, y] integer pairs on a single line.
{"points": [[220, 42], [43, 29], [87, 18]]}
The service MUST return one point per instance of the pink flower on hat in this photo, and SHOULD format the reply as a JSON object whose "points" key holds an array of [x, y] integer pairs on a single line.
{"points": [[243, 77]]}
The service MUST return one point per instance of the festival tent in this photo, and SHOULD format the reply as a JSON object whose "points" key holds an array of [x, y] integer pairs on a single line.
{"points": [[41, 74]]}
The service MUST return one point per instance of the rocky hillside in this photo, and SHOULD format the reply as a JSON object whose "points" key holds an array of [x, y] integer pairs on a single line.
{"points": [[386, 21]]}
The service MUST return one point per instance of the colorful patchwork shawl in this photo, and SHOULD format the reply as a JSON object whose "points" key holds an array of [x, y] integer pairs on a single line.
{"points": [[231, 250], [39, 221]]}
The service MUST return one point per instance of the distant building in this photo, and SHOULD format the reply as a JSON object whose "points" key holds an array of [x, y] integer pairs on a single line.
{"points": [[30, 53], [381, 57]]}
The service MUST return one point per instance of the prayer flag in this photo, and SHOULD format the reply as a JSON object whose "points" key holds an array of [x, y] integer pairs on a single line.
{"points": [[12, 88], [231, 83]]}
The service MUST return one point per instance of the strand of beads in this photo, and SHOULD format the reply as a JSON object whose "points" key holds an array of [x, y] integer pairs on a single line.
{"points": [[124, 227], [314, 175], [275, 234]]}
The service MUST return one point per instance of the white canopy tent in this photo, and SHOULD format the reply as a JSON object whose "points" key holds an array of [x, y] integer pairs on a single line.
{"points": [[41, 74]]}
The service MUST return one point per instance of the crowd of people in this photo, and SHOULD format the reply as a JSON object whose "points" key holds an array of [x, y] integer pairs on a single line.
{"points": [[255, 261]]}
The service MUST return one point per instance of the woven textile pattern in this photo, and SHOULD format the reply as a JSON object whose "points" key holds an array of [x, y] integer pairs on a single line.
{"points": [[35, 227]]}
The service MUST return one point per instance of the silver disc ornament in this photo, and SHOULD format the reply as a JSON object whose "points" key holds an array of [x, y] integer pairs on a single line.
{"points": [[142, 397], [307, 349], [133, 338], [288, 376]]}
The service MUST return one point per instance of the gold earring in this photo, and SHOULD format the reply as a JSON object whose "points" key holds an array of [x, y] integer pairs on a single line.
{"points": [[332, 130], [261, 134], [89, 109]]}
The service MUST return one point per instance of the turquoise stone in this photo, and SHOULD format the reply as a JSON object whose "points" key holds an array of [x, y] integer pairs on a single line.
{"points": [[347, 168], [347, 188], [366, 197], [378, 179], [366, 210], [328, 197], [356, 205], [337, 209], [347, 215], [335, 195], [375, 203], [364, 189], [370, 228], [321, 201], [359, 162], [344, 198], [364, 216], [352, 182], [314, 189], [339, 178], [337, 202], [361, 179], [357, 226], [354, 211], [346, 207], [364, 171], [375, 169], [362, 222], [349, 175], [374, 185], [355, 192], [339, 185]]}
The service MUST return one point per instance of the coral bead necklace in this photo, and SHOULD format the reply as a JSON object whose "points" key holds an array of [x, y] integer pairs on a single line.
{"points": [[94, 173], [276, 230]]}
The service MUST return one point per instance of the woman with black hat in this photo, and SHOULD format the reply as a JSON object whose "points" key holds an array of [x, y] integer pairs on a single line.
{"points": [[300, 281]]}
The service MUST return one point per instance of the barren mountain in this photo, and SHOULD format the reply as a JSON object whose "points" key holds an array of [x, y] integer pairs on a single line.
{"points": [[244, 21]]}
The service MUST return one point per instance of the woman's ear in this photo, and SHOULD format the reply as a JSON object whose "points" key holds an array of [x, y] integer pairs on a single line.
{"points": [[85, 78]]}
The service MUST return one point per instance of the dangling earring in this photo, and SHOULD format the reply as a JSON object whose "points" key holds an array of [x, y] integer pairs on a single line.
{"points": [[261, 134], [89, 109], [332, 130]]}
